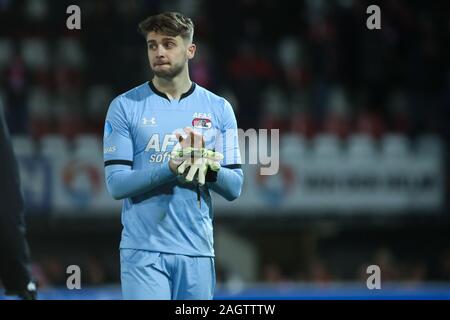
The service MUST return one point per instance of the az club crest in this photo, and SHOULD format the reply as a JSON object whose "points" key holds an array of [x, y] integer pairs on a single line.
{"points": [[201, 123]]}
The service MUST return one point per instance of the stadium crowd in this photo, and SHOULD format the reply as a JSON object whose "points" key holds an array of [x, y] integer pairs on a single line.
{"points": [[302, 66]]}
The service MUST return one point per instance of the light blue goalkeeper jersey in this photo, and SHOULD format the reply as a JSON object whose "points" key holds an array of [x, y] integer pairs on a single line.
{"points": [[160, 212]]}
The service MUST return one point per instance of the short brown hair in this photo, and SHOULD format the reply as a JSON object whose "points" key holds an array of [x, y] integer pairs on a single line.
{"points": [[168, 23]]}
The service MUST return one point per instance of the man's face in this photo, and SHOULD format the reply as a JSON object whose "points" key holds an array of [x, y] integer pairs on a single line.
{"points": [[168, 55]]}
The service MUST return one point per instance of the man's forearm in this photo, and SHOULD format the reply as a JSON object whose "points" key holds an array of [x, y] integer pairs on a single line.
{"points": [[124, 183], [229, 183]]}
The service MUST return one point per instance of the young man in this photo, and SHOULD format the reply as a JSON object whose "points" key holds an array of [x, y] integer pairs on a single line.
{"points": [[166, 249], [15, 269]]}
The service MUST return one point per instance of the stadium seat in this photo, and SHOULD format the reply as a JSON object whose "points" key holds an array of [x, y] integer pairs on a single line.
{"points": [[87, 145], [38, 103], [292, 146], [303, 123], [36, 9], [35, 53], [290, 139], [429, 145], [394, 145], [98, 99], [274, 101], [22, 145], [54, 146], [290, 52], [326, 146], [69, 122], [69, 52], [360, 145]]}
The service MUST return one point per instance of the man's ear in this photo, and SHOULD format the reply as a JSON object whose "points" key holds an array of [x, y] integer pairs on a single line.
{"points": [[191, 50]]}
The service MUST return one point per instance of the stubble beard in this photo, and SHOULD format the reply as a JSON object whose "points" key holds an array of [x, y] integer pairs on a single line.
{"points": [[171, 73]]}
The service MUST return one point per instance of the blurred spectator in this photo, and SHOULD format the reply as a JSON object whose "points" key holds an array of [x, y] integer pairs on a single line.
{"points": [[94, 273], [417, 273], [398, 113], [445, 266], [54, 270], [273, 274], [274, 105], [384, 258], [318, 272], [370, 123], [337, 119]]}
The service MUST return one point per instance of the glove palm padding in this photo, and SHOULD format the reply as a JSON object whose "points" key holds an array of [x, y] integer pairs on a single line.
{"points": [[197, 163]]}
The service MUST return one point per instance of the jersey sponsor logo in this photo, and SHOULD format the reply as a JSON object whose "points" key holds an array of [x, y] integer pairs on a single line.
{"points": [[201, 123], [108, 129], [155, 144], [110, 149], [151, 122], [203, 115], [160, 157]]}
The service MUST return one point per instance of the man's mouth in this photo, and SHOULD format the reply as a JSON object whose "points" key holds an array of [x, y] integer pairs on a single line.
{"points": [[161, 64]]}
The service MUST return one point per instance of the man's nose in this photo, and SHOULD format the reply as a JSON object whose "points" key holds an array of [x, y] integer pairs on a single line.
{"points": [[160, 51]]}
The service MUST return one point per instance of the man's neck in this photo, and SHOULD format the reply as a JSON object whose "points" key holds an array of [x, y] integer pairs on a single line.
{"points": [[174, 87]]}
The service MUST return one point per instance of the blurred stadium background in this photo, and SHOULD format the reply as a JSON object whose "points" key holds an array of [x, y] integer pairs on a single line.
{"points": [[364, 123]]}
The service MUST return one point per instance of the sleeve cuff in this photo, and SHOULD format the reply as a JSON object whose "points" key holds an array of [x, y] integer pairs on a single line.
{"points": [[166, 172]]}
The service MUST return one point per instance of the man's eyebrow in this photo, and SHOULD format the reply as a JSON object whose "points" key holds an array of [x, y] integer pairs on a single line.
{"points": [[166, 38]]}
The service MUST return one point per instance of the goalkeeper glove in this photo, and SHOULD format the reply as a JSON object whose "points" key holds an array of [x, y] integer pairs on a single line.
{"points": [[198, 163]]}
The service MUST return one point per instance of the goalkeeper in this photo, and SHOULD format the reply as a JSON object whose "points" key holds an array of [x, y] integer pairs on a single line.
{"points": [[165, 174]]}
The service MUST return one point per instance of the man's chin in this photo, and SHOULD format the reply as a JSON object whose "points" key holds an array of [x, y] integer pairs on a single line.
{"points": [[162, 74], [168, 74]]}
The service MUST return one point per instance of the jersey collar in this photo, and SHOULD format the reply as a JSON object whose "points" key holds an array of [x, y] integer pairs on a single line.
{"points": [[163, 95]]}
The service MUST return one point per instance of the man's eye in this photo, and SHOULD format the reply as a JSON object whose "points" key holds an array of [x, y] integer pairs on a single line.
{"points": [[152, 46], [170, 44]]}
